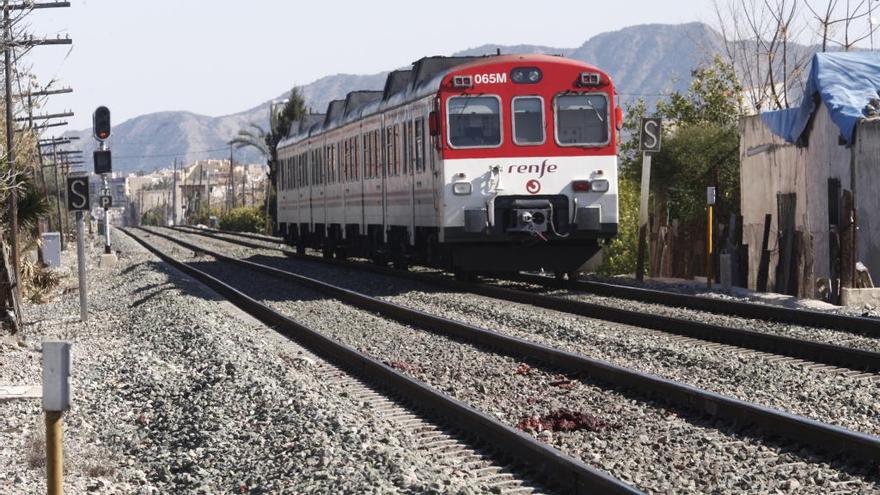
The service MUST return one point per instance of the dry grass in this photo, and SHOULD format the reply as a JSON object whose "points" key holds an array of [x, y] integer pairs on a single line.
{"points": [[35, 449], [39, 282]]}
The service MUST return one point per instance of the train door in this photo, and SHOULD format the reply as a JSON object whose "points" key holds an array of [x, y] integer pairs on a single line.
{"points": [[373, 180], [424, 194], [409, 160]]}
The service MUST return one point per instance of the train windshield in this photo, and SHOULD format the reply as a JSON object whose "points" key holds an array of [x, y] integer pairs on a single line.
{"points": [[582, 120], [528, 120], [474, 121]]}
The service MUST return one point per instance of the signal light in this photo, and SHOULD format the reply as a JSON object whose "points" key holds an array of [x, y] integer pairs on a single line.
{"points": [[580, 186], [103, 161], [462, 82], [590, 79], [101, 123]]}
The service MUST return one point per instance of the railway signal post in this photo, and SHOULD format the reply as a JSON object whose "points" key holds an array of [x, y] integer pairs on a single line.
{"points": [[103, 160], [710, 207], [78, 201], [650, 131]]}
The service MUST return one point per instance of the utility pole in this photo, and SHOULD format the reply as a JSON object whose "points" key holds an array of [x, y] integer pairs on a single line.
{"points": [[174, 195], [61, 225], [10, 121], [232, 176], [10, 145]]}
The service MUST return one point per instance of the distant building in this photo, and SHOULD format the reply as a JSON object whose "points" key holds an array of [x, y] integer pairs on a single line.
{"points": [[815, 170]]}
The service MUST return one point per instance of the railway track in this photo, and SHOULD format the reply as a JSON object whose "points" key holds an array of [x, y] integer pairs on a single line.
{"points": [[851, 361], [685, 398], [803, 317], [529, 456]]}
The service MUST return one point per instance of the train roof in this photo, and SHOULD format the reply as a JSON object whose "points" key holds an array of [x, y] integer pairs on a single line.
{"points": [[424, 78]]}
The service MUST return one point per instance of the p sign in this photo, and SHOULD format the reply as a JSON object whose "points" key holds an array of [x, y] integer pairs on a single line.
{"points": [[106, 202], [78, 193], [649, 135]]}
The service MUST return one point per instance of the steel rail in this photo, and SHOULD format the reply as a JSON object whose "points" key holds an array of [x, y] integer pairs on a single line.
{"points": [[803, 317], [817, 352], [551, 466], [798, 429]]}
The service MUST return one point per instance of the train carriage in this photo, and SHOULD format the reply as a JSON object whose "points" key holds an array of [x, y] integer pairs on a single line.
{"points": [[477, 164]]}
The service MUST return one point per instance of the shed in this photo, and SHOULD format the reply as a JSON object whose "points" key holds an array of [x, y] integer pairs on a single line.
{"points": [[815, 170]]}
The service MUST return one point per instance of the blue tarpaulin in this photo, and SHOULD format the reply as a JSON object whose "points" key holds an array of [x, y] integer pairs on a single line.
{"points": [[846, 82]]}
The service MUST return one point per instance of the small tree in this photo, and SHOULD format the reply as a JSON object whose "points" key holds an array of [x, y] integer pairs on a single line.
{"points": [[266, 141], [700, 148]]}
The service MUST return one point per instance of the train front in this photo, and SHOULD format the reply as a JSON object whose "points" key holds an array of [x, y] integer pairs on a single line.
{"points": [[529, 154]]}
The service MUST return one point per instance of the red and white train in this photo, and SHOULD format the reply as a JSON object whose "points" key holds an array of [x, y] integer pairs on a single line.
{"points": [[476, 164]]}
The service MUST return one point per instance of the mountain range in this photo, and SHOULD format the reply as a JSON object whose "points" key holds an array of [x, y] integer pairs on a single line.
{"points": [[644, 61]]}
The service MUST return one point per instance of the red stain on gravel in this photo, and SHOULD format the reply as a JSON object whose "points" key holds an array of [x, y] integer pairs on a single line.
{"points": [[523, 369], [399, 365], [564, 420], [561, 382]]}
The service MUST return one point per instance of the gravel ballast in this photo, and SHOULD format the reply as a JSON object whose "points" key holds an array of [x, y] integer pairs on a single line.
{"points": [[645, 444], [175, 391], [824, 395]]}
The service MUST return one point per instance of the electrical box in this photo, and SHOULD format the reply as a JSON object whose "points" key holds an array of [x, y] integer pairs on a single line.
{"points": [[56, 376]]}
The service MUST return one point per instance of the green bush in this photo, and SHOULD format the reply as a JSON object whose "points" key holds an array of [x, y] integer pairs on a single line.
{"points": [[202, 215], [620, 255], [243, 219], [154, 216]]}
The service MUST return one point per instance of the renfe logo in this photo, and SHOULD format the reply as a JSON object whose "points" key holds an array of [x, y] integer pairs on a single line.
{"points": [[543, 168], [533, 186]]}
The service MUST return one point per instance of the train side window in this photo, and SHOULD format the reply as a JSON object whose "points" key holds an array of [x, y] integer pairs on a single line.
{"points": [[405, 148], [355, 156], [389, 151], [474, 121], [582, 119], [420, 145], [376, 152], [528, 120]]}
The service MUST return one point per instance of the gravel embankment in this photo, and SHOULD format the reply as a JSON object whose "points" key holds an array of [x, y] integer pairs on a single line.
{"points": [[650, 446], [174, 393], [823, 395]]}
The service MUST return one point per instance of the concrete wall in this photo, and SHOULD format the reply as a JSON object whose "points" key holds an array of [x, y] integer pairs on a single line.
{"points": [[771, 166]]}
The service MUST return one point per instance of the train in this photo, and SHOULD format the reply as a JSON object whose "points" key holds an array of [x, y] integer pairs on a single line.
{"points": [[478, 165]]}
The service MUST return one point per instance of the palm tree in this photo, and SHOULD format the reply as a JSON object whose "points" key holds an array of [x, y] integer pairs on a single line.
{"points": [[266, 141]]}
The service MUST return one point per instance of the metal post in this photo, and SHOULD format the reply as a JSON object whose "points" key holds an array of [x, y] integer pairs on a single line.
{"points": [[54, 453], [643, 216], [709, 249], [106, 191], [81, 266]]}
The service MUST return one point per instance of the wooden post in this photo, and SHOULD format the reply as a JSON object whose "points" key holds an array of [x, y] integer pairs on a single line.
{"points": [[54, 453]]}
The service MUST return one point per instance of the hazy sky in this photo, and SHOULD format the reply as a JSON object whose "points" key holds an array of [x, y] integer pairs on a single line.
{"points": [[220, 56]]}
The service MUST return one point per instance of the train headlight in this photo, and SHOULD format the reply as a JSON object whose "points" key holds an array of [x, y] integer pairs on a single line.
{"points": [[526, 75], [599, 185], [462, 188]]}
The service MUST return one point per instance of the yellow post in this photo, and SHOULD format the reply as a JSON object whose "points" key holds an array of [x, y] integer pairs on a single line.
{"points": [[54, 453], [709, 247]]}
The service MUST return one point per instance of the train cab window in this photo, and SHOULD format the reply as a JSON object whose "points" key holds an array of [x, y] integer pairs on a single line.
{"points": [[528, 120], [582, 120], [474, 121]]}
